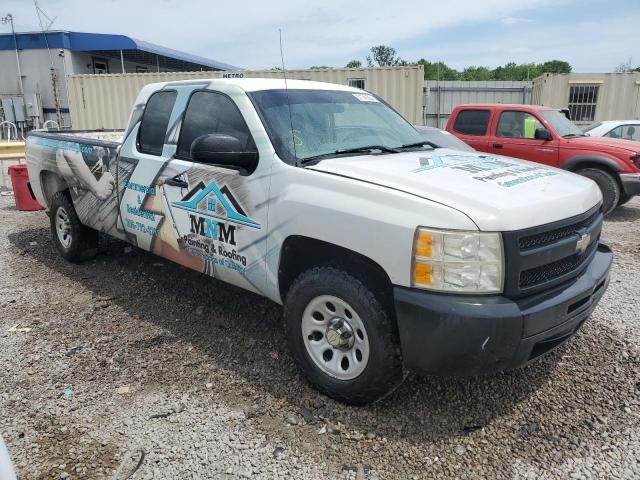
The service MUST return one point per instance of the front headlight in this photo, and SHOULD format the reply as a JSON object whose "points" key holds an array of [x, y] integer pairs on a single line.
{"points": [[458, 261]]}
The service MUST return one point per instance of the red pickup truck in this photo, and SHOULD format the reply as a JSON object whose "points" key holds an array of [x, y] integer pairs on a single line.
{"points": [[545, 135]]}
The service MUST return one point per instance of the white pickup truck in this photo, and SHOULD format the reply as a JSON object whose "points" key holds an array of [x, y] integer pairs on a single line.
{"points": [[389, 253]]}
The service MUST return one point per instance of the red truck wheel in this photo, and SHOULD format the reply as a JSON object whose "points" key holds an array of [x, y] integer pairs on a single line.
{"points": [[608, 186], [624, 198]]}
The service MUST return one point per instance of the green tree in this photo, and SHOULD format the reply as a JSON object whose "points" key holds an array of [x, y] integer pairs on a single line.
{"points": [[319, 67], [626, 67], [438, 70], [476, 74], [354, 64], [384, 56], [555, 66]]}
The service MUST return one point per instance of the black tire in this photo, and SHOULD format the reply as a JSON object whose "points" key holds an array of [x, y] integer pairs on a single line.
{"points": [[608, 186], [383, 371], [82, 241], [624, 198]]}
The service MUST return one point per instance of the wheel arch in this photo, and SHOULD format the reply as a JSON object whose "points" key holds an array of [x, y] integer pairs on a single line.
{"points": [[50, 184], [592, 161], [300, 253]]}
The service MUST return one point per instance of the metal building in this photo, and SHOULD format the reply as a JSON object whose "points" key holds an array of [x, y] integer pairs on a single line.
{"points": [[105, 101], [34, 67], [590, 97], [440, 97]]}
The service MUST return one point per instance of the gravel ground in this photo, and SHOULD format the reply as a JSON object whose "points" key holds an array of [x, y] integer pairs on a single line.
{"points": [[128, 360]]}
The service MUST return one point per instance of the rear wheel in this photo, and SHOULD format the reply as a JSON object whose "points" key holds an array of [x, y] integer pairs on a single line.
{"points": [[342, 337], [608, 186], [74, 241]]}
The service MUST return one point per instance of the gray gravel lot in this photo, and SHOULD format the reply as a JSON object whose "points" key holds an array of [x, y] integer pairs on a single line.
{"points": [[131, 358]]}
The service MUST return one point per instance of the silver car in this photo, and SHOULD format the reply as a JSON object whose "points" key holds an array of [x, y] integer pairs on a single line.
{"points": [[442, 138]]}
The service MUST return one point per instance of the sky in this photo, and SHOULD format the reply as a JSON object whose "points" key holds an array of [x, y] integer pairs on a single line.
{"points": [[592, 35]]}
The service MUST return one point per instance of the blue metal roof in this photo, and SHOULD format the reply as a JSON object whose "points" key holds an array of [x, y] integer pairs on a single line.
{"points": [[92, 42]]}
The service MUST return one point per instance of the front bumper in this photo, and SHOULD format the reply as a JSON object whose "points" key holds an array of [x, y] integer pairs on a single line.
{"points": [[467, 335], [630, 183]]}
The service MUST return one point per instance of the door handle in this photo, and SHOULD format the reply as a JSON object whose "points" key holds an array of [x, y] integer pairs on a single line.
{"points": [[176, 182], [497, 145]]}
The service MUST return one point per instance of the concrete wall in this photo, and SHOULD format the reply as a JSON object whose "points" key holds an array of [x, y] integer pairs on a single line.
{"points": [[440, 97], [105, 101], [618, 95]]}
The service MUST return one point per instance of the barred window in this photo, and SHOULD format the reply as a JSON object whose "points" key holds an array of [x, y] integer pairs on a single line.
{"points": [[582, 102], [357, 83]]}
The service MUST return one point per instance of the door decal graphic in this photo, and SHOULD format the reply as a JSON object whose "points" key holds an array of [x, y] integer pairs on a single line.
{"points": [[231, 210]]}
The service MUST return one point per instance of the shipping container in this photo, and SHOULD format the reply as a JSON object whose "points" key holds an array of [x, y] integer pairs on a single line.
{"points": [[590, 97], [105, 101]]}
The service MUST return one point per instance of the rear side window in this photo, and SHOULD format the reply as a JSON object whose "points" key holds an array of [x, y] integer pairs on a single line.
{"points": [[155, 120], [211, 112], [615, 133], [472, 122], [626, 132]]}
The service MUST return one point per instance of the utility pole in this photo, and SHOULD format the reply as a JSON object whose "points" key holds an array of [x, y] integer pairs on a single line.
{"points": [[9, 19], [54, 75]]}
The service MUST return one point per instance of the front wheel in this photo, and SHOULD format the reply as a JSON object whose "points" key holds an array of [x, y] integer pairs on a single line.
{"points": [[608, 186], [624, 198], [344, 340], [74, 241]]}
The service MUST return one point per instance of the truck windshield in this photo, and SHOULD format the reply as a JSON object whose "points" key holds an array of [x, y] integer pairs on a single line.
{"points": [[561, 124], [306, 124]]}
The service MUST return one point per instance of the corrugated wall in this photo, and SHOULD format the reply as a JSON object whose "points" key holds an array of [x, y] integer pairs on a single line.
{"points": [[618, 95], [441, 97], [105, 101]]}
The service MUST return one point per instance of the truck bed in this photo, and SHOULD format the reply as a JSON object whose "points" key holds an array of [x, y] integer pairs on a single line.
{"points": [[103, 138], [85, 164]]}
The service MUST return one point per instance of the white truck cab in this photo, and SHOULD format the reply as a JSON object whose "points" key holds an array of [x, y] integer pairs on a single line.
{"points": [[387, 252]]}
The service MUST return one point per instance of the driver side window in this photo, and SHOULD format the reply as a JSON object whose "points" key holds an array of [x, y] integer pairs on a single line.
{"points": [[517, 125], [211, 112]]}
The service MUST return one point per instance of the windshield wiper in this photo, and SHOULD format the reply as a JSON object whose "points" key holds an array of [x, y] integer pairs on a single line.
{"points": [[346, 151], [571, 135], [419, 144]]}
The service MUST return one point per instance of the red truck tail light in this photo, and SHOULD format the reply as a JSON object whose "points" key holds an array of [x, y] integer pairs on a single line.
{"points": [[635, 158]]}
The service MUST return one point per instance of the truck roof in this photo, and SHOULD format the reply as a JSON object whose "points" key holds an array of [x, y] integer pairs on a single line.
{"points": [[504, 105], [256, 84]]}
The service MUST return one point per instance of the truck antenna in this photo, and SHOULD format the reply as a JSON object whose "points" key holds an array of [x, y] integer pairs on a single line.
{"points": [[286, 88]]}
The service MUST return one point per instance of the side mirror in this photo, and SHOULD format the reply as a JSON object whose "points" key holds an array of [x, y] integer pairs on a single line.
{"points": [[224, 151], [542, 134]]}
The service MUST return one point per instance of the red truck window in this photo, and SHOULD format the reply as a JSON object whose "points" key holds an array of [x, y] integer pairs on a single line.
{"points": [[517, 125], [472, 122]]}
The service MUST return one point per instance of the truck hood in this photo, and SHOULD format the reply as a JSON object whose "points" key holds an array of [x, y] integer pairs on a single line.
{"points": [[606, 143], [497, 193]]}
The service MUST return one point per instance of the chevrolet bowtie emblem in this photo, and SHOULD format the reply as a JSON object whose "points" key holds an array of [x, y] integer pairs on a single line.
{"points": [[583, 243]]}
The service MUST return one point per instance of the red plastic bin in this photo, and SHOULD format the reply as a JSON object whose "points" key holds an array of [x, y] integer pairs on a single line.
{"points": [[21, 188]]}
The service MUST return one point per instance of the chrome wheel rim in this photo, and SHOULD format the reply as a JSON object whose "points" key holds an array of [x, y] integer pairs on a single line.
{"points": [[63, 227], [335, 337]]}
